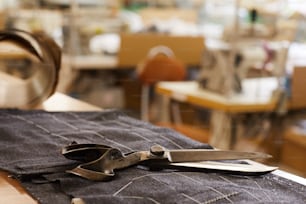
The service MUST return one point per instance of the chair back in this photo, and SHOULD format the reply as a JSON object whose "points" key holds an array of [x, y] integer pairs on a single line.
{"points": [[161, 65], [134, 48]]}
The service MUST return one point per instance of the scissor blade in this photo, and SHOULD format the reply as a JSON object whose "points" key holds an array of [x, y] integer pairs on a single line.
{"points": [[194, 155], [250, 167]]}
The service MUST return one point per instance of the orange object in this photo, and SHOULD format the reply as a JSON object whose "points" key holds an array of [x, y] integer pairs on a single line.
{"points": [[161, 65]]}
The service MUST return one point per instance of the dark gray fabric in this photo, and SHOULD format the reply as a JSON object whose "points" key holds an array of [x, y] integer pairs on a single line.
{"points": [[30, 144]]}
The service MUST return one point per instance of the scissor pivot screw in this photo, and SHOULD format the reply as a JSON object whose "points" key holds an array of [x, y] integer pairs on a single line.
{"points": [[157, 150]]}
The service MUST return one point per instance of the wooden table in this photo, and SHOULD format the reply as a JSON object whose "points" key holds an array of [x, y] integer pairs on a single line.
{"points": [[257, 96], [10, 190]]}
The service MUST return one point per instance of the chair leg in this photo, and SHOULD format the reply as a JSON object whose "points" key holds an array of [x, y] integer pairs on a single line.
{"points": [[163, 106], [144, 111], [145, 106], [175, 111]]}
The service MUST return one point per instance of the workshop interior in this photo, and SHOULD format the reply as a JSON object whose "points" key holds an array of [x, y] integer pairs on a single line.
{"points": [[223, 75]]}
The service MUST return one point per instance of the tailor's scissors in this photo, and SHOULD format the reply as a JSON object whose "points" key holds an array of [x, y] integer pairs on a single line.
{"points": [[100, 161]]}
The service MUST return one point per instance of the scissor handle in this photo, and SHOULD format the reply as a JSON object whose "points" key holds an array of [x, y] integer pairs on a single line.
{"points": [[91, 174], [84, 152], [100, 161]]}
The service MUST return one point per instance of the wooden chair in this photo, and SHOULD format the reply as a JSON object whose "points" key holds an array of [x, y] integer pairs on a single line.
{"points": [[162, 65]]}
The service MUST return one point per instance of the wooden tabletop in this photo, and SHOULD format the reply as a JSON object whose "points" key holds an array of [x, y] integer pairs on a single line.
{"points": [[62, 102], [10, 190], [256, 95]]}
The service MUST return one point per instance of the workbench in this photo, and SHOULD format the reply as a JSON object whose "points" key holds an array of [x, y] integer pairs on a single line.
{"points": [[256, 96], [12, 192]]}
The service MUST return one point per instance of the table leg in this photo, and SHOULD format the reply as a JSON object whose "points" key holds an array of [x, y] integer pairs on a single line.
{"points": [[222, 130], [164, 112]]}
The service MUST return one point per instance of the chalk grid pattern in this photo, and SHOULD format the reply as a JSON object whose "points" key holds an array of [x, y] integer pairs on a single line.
{"points": [[30, 143]]}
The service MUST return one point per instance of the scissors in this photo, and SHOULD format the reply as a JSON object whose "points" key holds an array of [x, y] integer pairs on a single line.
{"points": [[98, 161]]}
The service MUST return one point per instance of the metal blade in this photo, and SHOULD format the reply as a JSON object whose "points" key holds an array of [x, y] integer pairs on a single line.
{"points": [[194, 155], [250, 167]]}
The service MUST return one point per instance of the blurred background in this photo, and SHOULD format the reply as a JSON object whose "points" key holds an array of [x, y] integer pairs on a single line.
{"points": [[222, 44]]}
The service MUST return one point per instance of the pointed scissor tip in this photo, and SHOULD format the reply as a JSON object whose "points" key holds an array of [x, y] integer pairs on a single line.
{"points": [[265, 156]]}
